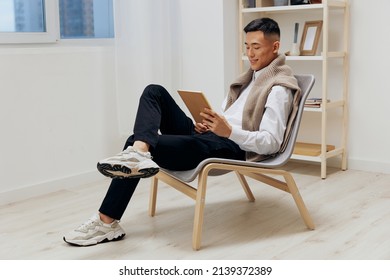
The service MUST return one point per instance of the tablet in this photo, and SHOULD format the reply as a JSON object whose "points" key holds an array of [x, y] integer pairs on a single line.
{"points": [[195, 101]]}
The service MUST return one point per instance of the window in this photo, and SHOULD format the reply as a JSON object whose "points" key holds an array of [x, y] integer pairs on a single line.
{"points": [[42, 21], [28, 21], [86, 19], [22, 16]]}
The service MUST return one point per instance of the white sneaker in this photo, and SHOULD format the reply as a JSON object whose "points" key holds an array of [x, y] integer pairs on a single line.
{"points": [[129, 163], [94, 231]]}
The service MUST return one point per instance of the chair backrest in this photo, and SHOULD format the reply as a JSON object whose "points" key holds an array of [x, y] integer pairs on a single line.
{"points": [[306, 83]]}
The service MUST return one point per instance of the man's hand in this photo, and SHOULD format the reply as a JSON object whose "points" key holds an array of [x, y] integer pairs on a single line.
{"points": [[201, 128], [213, 122]]}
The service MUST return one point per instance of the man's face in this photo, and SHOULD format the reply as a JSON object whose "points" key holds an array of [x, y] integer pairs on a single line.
{"points": [[260, 50]]}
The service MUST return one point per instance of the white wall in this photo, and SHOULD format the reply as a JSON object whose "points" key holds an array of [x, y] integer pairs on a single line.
{"points": [[63, 107], [176, 43], [143, 53], [57, 116], [369, 92]]}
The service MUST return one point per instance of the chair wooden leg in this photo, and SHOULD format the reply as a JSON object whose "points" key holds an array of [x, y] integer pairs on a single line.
{"points": [[293, 189], [245, 186], [199, 210], [153, 196]]}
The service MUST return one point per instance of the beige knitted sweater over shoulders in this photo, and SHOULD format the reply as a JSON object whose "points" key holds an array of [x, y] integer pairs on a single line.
{"points": [[276, 73]]}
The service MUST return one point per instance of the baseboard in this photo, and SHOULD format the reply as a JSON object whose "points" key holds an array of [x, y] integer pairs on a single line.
{"points": [[359, 164], [370, 166], [31, 191]]}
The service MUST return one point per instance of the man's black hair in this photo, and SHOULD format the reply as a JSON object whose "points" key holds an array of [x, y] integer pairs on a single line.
{"points": [[267, 25]]}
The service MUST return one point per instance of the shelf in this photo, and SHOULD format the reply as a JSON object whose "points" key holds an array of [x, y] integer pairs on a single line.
{"points": [[306, 158], [304, 58], [329, 105], [296, 58], [279, 9], [296, 8], [310, 149], [313, 109], [312, 152]]}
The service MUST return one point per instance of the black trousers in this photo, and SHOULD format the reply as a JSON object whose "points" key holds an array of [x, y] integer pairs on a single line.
{"points": [[174, 144]]}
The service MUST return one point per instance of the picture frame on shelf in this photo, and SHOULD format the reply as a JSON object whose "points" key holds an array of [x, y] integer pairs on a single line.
{"points": [[310, 37]]}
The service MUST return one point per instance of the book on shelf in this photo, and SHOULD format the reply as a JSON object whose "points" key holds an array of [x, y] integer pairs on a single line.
{"points": [[314, 102]]}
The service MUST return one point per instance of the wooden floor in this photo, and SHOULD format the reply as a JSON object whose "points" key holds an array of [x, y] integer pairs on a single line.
{"points": [[351, 210]]}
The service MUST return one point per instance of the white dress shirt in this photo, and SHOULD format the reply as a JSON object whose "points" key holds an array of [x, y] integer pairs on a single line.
{"points": [[269, 137]]}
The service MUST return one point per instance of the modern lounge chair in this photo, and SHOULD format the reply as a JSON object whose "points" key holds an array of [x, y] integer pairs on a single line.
{"points": [[263, 171]]}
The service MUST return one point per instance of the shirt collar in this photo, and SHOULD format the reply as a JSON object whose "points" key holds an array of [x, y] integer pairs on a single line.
{"points": [[256, 74]]}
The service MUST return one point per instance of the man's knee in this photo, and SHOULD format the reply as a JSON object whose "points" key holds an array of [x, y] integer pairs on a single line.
{"points": [[154, 89], [156, 92]]}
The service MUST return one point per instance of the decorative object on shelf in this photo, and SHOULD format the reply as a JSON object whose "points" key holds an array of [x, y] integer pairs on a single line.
{"points": [[300, 2], [295, 48], [310, 37], [280, 2], [250, 3], [315, 1]]}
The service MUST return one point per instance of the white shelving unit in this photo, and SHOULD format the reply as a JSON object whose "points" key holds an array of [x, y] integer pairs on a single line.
{"points": [[325, 12]]}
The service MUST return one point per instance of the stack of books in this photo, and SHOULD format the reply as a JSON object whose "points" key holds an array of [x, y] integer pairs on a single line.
{"points": [[313, 102]]}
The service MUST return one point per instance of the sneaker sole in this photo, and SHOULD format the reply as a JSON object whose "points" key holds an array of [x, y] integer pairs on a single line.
{"points": [[105, 240], [121, 172]]}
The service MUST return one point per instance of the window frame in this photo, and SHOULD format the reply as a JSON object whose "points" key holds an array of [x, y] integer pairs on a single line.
{"points": [[51, 35]]}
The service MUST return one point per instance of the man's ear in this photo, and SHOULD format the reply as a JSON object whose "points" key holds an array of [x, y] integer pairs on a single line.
{"points": [[276, 46]]}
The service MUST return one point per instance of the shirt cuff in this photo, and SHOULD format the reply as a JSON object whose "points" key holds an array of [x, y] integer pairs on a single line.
{"points": [[237, 135]]}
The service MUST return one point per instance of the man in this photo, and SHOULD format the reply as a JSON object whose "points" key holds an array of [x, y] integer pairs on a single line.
{"points": [[254, 124]]}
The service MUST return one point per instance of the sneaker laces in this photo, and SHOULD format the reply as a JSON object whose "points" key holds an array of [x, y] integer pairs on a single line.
{"points": [[85, 226], [129, 150]]}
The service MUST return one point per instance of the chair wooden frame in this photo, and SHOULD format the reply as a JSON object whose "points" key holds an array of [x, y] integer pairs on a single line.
{"points": [[262, 171]]}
